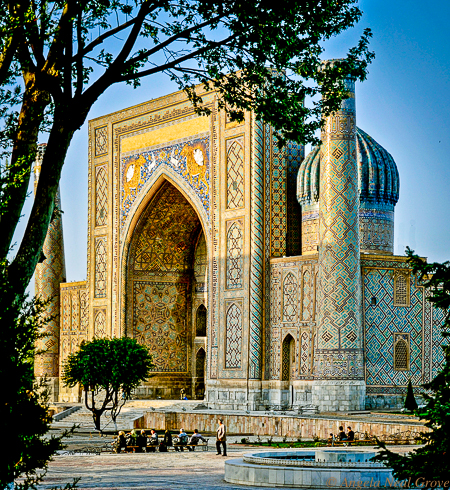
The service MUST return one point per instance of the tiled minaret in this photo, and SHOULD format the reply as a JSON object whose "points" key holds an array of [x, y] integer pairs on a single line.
{"points": [[338, 360], [48, 275]]}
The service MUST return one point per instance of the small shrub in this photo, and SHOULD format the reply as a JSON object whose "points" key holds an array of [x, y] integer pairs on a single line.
{"points": [[244, 440]]}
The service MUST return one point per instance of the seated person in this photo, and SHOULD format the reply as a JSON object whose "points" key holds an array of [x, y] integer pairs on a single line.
{"points": [[141, 441], [153, 441], [120, 442], [131, 440], [166, 442], [182, 440], [342, 436], [330, 440], [350, 434], [194, 439]]}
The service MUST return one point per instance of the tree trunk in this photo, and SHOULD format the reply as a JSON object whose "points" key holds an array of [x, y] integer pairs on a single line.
{"points": [[23, 266], [22, 159]]}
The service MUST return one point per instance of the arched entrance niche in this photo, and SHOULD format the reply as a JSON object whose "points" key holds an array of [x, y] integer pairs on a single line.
{"points": [[161, 289], [287, 370], [200, 368]]}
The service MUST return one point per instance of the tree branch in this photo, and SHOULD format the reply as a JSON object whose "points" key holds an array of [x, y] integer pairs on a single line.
{"points": [[174, 63]]}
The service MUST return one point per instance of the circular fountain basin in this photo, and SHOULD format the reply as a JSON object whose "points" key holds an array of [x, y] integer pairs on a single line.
{"points": [[324, 468]]}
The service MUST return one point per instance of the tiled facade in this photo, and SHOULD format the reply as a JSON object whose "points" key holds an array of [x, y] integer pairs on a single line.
{"points": [[250, 286]]}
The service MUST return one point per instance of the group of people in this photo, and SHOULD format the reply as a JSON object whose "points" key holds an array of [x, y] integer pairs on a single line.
{"points": [[141, 442], [137, 441], [347, 438]]}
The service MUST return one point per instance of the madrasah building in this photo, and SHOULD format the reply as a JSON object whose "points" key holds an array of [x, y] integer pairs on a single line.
{"points": [[256, 276]]}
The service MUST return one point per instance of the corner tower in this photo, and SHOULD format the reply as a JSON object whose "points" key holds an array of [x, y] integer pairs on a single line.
{"points": [[338, 360], [49, 273]]}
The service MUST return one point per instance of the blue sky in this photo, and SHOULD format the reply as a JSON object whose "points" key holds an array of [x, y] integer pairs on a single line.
{"points": [[404, 105]]}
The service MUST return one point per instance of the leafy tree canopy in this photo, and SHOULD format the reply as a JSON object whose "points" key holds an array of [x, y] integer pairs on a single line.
{"points": [[113, 366], [24, 414], [430, 464], [58, 57]]}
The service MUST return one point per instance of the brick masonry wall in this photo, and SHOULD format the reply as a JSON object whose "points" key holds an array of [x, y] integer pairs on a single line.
{"points": [[268, 425]]}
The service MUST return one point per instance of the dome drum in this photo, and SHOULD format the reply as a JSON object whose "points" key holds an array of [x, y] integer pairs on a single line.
{"points": [[378, 183]]}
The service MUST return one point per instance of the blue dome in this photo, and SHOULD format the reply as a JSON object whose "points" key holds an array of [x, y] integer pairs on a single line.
{"points": [[378, 178]]}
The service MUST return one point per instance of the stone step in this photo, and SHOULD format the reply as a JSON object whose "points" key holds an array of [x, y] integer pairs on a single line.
{"points": [[83, 419]]}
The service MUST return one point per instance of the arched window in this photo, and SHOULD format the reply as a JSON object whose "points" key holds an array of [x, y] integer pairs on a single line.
{"points": [[287, 358], [401, 352], [200, 322], [200, 363]]}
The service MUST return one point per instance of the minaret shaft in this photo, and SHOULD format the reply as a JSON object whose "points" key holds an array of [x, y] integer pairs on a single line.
{"points": [[339, 356], [48, 276]]}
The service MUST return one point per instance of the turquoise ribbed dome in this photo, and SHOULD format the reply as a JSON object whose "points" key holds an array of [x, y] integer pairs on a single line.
{"points": [[378, 178]]}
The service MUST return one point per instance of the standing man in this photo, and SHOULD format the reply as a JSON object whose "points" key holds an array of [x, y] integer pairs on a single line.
{"points": [[221, 438]]}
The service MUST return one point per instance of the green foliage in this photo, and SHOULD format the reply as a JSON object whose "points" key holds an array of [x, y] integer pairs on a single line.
{"points": [[430, 464], [116, 366], [24, 415], [410, 400]]}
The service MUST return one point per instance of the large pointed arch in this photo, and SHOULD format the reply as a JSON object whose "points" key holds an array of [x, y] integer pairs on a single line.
{"points": [[159, 277]]}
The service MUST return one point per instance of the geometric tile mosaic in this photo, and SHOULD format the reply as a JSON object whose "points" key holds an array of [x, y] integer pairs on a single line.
{"points": [[100, 267], [233, 336], [290, 301], [159, 322], [235, 173], [101, 140], [235, 249], [101, 196]]}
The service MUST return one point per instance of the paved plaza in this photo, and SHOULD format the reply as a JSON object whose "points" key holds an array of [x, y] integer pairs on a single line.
{"points": [[153, 471]]}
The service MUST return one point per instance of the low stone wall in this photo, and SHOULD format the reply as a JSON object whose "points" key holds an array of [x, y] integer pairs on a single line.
{"points": [[269, 425]]}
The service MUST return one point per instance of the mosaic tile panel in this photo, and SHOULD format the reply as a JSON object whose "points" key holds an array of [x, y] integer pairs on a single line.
{"points": [[101, 258], [339, 351], [257, 252], [290, 298], [235, 251], [101, 196], [99, 323], [233, 336], [382, 322], [294, 156], [74, 316], [101, 140], [160, 323], [163, 240], [304, 354], [235, 173], [376, 230], [307, 297], [190, 160], [278, 209]]}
